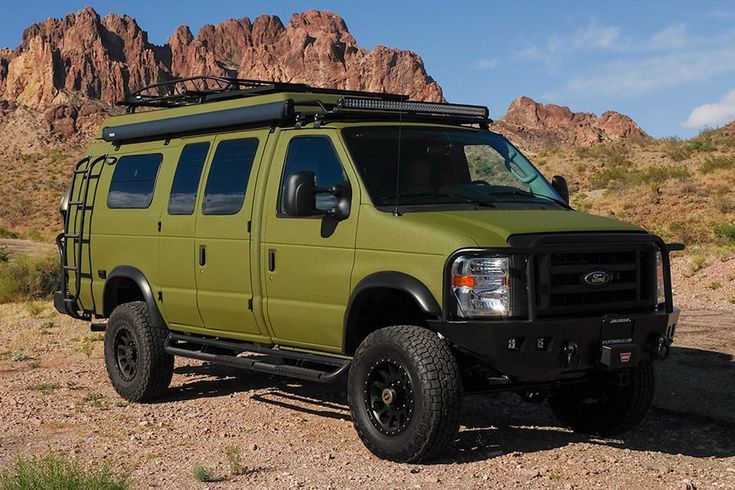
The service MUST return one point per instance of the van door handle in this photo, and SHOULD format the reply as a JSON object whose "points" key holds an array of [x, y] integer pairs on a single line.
{"points": [[202, 255], [271, 260]]}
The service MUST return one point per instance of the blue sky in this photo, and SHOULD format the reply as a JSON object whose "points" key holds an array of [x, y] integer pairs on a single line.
{"points": [[668, 64]]}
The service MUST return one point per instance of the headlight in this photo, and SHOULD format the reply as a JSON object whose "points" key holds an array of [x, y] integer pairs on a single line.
{"points": [[481, 286], [660, 285]]}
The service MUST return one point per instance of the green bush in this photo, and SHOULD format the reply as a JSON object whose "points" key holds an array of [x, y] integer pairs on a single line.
{"points": [[726, 233], [203, 473], [4, 253], [612, 154], [676, 149], [5, 233], [52, 472], [717, 162], [27, 278], [620, 177]]}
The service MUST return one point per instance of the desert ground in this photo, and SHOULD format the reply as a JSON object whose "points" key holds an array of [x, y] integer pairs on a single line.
{"points": [[254, 430]]}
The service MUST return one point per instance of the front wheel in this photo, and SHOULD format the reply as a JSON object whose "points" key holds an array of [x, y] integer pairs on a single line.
{"points": [[404, 392], [606, 409]]}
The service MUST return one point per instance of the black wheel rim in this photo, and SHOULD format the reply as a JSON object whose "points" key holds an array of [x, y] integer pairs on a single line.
{"points": [[389, 397], [126, 354]]}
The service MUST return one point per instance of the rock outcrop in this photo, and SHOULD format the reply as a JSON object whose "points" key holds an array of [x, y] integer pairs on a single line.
{"points": [[83, 54], [539, 126]]}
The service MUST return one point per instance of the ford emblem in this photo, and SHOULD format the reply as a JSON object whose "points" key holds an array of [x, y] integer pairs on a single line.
{"points": [[598, 278]]}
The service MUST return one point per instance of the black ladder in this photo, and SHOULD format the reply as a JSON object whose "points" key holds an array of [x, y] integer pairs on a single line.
{"points": [[78, 210]]}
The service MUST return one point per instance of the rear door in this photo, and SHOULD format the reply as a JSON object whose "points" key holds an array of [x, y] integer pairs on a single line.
{"points": [[177, 244], [224, 286]]}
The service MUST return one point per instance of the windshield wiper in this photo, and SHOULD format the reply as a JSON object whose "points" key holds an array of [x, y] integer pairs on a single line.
{"points": [[519, 192], [464, 199]]}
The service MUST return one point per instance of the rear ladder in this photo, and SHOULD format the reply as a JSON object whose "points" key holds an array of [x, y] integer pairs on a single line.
{"points": [[76, 233]]}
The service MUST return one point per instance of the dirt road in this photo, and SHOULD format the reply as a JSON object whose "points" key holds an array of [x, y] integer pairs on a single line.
{"points": [[300, 435]]}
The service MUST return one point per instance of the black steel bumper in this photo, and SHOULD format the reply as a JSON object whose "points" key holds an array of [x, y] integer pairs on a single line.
{"points": [[549, 350]]}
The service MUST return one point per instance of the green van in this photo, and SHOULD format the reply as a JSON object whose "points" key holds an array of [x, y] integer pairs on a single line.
{"points": [[319, 234]]}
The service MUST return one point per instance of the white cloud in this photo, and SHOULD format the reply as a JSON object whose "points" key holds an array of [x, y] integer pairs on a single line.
{"points": [[721, 14], [713, 114], [597, 37], [485, 64], [623, 78], [593, 36], [672, 37]]}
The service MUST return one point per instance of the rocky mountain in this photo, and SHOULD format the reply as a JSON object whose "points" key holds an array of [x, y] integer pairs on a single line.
{"points": [[73, 69], [535, 125]]}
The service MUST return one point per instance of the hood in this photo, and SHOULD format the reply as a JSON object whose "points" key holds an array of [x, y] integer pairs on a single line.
{"points": [[491, 228]]}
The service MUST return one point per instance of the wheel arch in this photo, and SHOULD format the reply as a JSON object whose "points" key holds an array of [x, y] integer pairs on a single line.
{"points": [[129, 283], [417, 304]]}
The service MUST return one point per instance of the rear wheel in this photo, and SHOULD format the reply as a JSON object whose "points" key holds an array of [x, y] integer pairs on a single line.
{"points": [[404, 393], [136, 362], [606, 409]]}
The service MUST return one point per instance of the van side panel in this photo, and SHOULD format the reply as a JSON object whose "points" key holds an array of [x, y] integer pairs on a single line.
{"points": [[129, 236]]}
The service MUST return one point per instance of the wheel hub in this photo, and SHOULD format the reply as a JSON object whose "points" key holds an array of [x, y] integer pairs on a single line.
{"points": [[389, 397], [389, 394], [126, 354]]}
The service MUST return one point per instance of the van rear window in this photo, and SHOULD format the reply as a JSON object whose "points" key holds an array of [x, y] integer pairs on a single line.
{"points": [[186, 180], [133, 181], [228, 176]]}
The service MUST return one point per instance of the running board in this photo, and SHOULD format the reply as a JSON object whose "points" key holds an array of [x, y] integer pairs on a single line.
{"points": [[186, 345]]}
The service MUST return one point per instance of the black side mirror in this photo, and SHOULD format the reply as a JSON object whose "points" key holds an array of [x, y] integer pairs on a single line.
{"points": [[560, 185], [299, 197]]}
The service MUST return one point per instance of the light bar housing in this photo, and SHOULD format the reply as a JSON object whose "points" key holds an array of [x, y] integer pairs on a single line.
{"points": [[460, 111]]}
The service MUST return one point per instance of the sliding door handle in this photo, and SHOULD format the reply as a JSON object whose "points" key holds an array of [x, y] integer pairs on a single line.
{"points": [[271, 260], [202, 255]]}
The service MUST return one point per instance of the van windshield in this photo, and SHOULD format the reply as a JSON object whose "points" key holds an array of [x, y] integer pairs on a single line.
{"points": [[420, 166]]}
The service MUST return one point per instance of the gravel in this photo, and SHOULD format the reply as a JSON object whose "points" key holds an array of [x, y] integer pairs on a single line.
{"points": [[294, 434]]}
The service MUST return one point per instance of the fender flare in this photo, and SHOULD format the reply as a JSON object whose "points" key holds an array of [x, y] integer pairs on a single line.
{"points": [[135, 275], [398, 281]]}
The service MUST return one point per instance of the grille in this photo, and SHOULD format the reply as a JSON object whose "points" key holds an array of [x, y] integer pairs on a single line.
{"points": [[561, 288]]}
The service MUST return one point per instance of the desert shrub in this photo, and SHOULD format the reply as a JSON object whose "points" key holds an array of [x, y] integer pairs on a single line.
{"points": [[724, 203], [609, 153], [676, 149], [5, 233], [4, 253], [717, 162], [620, 177], [725, 233], [59, 473], [204, 473], [689, 232], [28, 278], [702, 143], [34, 236]]}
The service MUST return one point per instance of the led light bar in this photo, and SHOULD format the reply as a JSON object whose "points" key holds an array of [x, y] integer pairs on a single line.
{"points": [[411, 107]]}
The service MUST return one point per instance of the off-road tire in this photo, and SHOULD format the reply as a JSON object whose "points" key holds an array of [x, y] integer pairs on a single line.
{"points": [[436, 393], [153, 367], [606, 409]]}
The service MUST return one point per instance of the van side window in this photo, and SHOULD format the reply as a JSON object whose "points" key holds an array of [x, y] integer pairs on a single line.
{"points": [[228, 176], [133, 181], [315, 154], [186, 180]]}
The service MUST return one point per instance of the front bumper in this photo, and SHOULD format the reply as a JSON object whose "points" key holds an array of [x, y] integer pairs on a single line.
{"points": [[549, 350]]}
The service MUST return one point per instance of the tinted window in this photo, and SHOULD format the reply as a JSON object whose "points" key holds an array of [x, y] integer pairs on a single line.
{"points": [[133, 181], [186, 179], [228, 176], [315, 154]]}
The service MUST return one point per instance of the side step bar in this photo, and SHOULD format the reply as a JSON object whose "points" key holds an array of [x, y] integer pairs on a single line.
{"points": [[186, 345]]}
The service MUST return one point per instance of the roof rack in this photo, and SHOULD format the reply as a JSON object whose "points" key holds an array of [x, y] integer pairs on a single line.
{"points": [[201, 89]]}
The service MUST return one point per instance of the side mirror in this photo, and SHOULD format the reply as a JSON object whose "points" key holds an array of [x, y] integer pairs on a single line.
{"points": [[560, 185], [299, 197]]}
